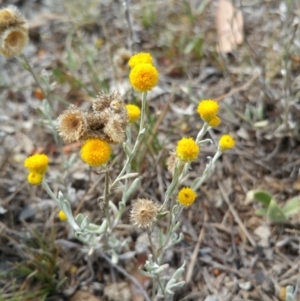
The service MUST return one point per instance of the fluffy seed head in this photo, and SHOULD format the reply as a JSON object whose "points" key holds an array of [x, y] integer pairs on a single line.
{"points": [[171, 162], [72, 124], [187, 149], [62, 216], [121, 59], [143, 77], [143, 213], [113, 101], [95, 152], [186, 196], [133, 112], [35, 178], [208, 109], [13, 40], [140, 58], [37, 163], [10, 16], [226, 142]]}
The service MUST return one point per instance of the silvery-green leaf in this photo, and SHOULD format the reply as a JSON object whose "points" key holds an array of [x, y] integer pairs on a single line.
{"points": [[292, 206], [261, 211], [114, 257], [132, 188], [147, 274], [160, 269], [79, 218], [85, 223], [275, 213]]}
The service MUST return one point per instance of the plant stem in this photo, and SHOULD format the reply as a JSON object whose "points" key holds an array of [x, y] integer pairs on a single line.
{"points": [[30, 70], [106, 200], [137, 142]]}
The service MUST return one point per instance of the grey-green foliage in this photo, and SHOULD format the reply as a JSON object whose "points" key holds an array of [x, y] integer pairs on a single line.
{"points": [[271, 209]]}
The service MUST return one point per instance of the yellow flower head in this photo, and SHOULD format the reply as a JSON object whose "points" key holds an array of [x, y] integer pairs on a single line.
{"points": [[187, 149], [37, 163], [226, 142], [214, 122], [143, 77], [133, 112], [62, 216], [186, 196], [95, 152], [35, 178], [140, 58], [208, 109]]}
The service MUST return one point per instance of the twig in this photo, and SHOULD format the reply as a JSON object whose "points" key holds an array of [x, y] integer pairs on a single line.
{"points": [[191, 266], [238, 89], [236, 216], [132, 279]]}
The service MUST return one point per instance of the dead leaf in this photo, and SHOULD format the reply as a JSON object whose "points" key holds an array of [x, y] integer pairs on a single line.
{"points": [[84, 296], [229, 22]]}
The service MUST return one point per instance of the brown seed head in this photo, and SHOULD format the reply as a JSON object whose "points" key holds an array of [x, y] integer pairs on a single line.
{"points": [[13, 40], [72, 124], [121, 59], [171, 162], [10, 16], [143, 213]]}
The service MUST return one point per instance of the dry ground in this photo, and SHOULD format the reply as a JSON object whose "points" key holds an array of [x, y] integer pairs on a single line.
{"points": [[239, 256]]}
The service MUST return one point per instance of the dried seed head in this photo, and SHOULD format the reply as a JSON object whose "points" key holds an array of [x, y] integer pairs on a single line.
{"points": [[171, 162], [13, 40], [105, 101], [114, 129], [143, 213], [72, 124], [10, 16], [121, 59]]}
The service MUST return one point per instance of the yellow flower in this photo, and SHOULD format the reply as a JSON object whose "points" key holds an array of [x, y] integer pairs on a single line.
{"points": [[140, 58], [62, 216], [35, 178], [226, 142], [208, 109], [133, 112], [187, 149], [37, 163], [186, 196], [95, 152], [214, 122], [143, 77]]}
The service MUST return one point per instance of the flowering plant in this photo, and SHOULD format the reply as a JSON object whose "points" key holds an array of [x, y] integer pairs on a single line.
{"points": [[108, 123]]}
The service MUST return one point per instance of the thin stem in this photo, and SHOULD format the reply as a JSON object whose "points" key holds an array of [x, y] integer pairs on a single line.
{"points": [[198, 182], [127, 17], [105, 198], [49, 191], [29, 68], [137, 142]]}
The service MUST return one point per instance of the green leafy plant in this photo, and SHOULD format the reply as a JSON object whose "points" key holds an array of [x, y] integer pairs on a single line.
{"points": [[271, 209]]}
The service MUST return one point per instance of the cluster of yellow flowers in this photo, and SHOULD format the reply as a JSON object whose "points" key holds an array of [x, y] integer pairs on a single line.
{"points": [[37, 165], [187, 149], [208, 110], [143, 75], [13, 31]]}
